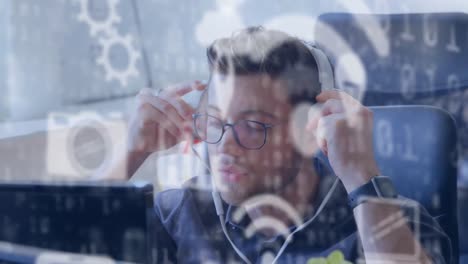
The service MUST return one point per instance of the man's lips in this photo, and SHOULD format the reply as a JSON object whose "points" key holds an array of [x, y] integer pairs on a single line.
{"points": [[232, 173]]}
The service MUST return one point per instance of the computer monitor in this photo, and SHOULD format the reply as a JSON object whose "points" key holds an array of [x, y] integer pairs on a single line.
{"points": [[107, 219]]}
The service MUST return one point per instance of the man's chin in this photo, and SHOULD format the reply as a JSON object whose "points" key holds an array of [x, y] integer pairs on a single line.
{"points": [[234, 196]]}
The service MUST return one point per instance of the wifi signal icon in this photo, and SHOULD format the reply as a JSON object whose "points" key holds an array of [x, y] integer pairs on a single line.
{"points": [[267, 222]]}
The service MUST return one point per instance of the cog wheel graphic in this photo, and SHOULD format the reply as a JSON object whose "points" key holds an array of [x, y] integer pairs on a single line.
{"points": [[99, 26], [104, 60]]}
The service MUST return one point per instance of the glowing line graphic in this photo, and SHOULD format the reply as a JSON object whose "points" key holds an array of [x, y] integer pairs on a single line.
{"points": [[371, 27], [267, 221], [264, 223]]}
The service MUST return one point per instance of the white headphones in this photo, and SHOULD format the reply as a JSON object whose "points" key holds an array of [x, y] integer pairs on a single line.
{"points": [[326, 76]]}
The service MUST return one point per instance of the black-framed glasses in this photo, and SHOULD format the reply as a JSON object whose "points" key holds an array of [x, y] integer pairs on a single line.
{"points": [[248, 134]]}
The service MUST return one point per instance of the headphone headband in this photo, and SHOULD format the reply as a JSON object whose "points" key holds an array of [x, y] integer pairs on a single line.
{"points": [[326, 76]]}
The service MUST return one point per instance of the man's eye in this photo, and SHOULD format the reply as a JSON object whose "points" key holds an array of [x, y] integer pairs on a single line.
{"points": [[254, 126], [215, 124]]}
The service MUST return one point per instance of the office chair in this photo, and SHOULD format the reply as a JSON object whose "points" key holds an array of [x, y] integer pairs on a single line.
{"points": [[416, 147], [462, 218]]}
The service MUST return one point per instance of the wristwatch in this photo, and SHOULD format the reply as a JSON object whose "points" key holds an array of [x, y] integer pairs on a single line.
{"points": [[378, 186]]}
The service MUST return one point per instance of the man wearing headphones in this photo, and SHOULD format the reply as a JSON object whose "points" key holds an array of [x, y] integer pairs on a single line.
{"points": [[274, 196]]}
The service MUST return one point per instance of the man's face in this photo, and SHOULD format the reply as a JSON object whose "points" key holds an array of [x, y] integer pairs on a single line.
{"points": [[240, 173]]}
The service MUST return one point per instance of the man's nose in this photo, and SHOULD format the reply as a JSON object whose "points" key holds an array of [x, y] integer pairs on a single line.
{"points": [[228, 143]]}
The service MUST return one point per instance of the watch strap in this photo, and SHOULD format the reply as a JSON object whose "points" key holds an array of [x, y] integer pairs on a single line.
{"points": [[372, 189], [367, 189]]}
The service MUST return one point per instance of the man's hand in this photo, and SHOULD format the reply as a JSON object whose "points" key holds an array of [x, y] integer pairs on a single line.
{"points": [[160, 121], [344, 133]]}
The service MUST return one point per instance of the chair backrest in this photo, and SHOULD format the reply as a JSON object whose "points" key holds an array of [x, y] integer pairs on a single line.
{"points": [[416, 147], [463, 216]]}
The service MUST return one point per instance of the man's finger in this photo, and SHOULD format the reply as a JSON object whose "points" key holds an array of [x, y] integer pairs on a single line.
{"points": [[326, 130], [332, 106], [320, 136], [184, 109], [200, 85], [166, 108], [179, 90], [182, 89], [333, 94], [158, 118]]}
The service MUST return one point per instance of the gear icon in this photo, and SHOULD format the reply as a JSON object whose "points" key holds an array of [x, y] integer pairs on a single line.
{"points": [[99, 26], [104, 60]]}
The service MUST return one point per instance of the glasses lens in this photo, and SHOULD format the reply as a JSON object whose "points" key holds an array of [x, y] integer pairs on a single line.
{"points": [[208, 128], [251, 134]]}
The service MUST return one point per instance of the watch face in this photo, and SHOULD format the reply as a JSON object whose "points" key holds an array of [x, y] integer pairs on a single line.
{"points": [[385, 187]]}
